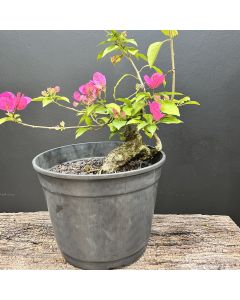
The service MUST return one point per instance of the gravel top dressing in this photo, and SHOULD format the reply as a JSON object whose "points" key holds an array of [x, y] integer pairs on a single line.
{"points": [[91, 166]]}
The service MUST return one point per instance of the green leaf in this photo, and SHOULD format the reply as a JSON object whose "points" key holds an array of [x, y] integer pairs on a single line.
{"points": [[100, 110], [100, 54], [142, 56], [170, 120], [137, 106], [170, 93], [38, 99], [157, 69], [125, 100], [132, 51], [134, 121], [131, 41], [141, 95], [112, 128], [90, 109], [62, 98], [80, 113], [192, 102], [147, 133], [85, 118], [152, 52], [118, 123], [104, 120], [88, 120], [107, 41], [82, 119], [80, 131], [170, 108], [102, 101], [103, 42], [45, 102], [184, 99], [112, 33], [141, 125], [170, 33], [151, 129], [5, 119], [107, 51], [113, 106], [148, 118], [127, 110]]}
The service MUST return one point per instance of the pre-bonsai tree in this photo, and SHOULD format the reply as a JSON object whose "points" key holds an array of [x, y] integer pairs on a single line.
{"points": [[131, 116], [102, 217]]}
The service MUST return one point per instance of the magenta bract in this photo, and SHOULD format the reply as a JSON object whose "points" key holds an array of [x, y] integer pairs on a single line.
{"points": [[90, 91], [99, 80], [155, 109], [155, 80], [11, 103]]}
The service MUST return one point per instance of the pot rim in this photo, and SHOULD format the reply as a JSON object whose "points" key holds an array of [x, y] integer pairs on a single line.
{"points": [[97, 176]]}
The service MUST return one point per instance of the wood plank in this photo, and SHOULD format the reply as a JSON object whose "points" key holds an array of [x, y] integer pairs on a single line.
{"points": [[176, 242]]}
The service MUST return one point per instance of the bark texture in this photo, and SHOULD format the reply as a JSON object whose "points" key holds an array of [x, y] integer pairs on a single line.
{"points": [[124, 153], [177, 242]]}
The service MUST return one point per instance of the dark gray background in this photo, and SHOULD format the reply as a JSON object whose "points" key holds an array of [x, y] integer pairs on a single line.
{"points": [[202, 172]]}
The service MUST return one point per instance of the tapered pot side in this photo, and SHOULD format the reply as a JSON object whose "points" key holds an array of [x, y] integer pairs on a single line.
{"points": [[100, 221]]}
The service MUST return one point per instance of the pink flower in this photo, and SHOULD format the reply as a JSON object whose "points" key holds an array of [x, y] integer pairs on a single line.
{"points": [[57, 89], [79, 98], [155, 81], [51, 91], [91, 90], [115, 113], [100, 81], [87, 93], [155, 109], [75, 104], [156, 97], [9, 102]]}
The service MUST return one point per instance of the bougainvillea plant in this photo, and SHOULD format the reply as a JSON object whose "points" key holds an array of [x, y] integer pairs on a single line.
{"points": [[141, 113]]}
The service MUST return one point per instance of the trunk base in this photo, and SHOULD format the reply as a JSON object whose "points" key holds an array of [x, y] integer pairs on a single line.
{"points": [[125, 152]]}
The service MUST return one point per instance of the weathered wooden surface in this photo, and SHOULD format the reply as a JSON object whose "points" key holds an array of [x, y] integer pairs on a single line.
{"points": [[177, 242]]}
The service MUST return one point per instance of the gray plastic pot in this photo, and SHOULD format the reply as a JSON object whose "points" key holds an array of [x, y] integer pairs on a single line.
{"points": [[100, 221]]}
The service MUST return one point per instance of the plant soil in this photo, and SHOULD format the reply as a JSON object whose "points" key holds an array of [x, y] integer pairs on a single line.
{"points": [[91, 166]]}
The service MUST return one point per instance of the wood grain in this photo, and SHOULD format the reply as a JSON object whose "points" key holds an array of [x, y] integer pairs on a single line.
{"points": [[176, 242]]}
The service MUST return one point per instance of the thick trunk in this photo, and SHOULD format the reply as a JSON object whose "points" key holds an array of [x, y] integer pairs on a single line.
{"points": [[124, 153]]}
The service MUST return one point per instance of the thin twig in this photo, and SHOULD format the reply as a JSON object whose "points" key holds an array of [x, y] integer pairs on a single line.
{"points": [[57, 127], [173, 68], [67, 107]]}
